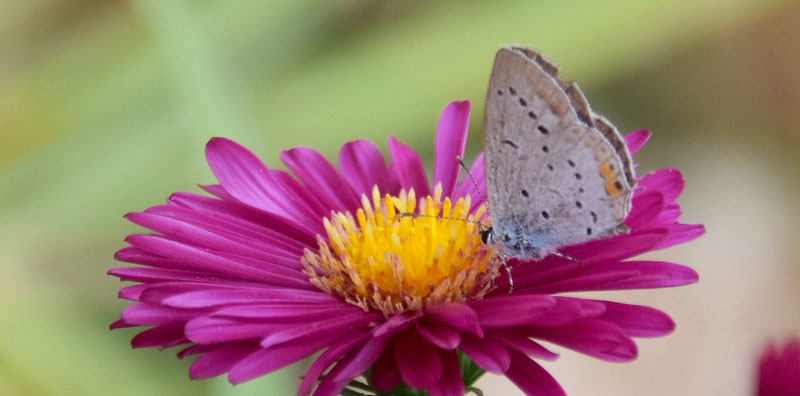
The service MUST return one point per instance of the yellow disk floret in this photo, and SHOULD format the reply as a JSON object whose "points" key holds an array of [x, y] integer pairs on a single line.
{"points": [[394, 259]]}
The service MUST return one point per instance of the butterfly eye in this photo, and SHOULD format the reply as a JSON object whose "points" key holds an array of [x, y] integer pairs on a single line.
{"points": [[486, 235]]}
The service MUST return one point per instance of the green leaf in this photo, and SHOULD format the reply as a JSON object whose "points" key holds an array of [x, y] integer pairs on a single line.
{"points": [[475, 391]]}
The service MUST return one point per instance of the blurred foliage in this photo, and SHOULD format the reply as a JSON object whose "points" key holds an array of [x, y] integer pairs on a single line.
{"points": [[106, 107]]}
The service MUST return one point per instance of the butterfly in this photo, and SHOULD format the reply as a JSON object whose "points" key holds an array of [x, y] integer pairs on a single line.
{"points": [[557, 174]]}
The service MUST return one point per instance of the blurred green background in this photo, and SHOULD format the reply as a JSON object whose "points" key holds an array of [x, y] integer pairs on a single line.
{"points": [[105, 107]]}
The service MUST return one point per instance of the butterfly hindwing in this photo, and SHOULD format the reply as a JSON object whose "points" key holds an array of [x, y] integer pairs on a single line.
{"points": [[553, 178]]}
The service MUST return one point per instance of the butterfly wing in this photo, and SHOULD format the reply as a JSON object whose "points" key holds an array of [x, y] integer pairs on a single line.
{"points": [[556, 173]]}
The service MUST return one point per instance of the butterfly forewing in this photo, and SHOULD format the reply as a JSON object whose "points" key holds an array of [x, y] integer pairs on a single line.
{"points": [[552, 177]]}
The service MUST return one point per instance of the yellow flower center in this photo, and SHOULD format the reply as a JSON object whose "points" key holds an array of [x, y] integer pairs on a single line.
{"points": [[392, 259]]}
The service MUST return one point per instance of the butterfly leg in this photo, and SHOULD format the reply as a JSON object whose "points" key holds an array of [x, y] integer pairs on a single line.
{"points": [[508, 271], [564, 256]]}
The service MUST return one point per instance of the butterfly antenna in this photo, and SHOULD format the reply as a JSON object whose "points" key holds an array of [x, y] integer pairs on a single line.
{"points": [[474, 183], [417, 215]]}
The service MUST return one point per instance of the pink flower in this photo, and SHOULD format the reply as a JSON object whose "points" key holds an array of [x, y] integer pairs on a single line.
{"points": [[278, 266], [779, 370]]}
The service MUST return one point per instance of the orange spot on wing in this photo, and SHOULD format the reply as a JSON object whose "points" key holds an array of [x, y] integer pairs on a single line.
{"points": [[611, 187], [606, 171]]}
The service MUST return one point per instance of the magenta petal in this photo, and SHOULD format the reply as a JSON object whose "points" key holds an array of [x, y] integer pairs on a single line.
{"points": [[189, 234], [197, 259], [205, 330], [265, 361], [283, 313], [220, 359], [359, 360], [652, 274], [616, 248], [531, 378], [279, 227], [647, 207], [619, 276], [213, 298], [119, 324], [321, 327], [439, 334], [362, 164], [450, 384], [148, 315], [298, 195], [637, 320], [163, 336], [593, 337], [195, 350], [517, 339], [458, 316], [451, 136], [779, 369], [681, 233], [243, 175], [489, 354], [329, 357], [668, 181], [568, 310], [151, 275], [395, 325], [385, 374], [593, 278], [636, 139], [321, 178], [670, 214], [508, 311], [407, 167], [417, 360], [133, 293], [331, 387], [156, 293], [218, 191]]}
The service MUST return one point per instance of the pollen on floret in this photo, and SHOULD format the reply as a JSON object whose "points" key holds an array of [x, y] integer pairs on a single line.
{"points": [[397, 255]]}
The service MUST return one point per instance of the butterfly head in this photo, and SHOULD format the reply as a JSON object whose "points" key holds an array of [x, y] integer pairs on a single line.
{"points": [[511, 245]]}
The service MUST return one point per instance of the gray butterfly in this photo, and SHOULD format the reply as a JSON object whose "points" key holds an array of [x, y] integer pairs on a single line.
{"points": [[557, 174]]}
